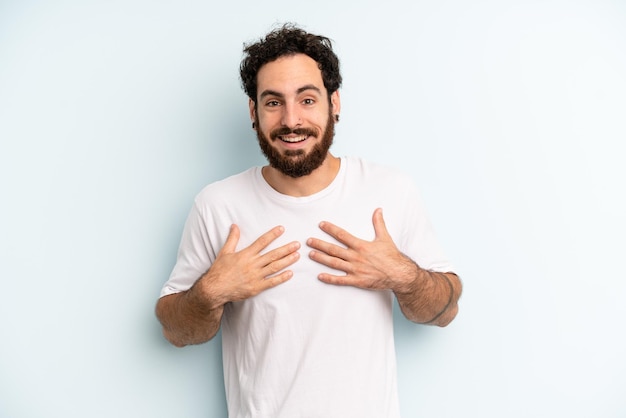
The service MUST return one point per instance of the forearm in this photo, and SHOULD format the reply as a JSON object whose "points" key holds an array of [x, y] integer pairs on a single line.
{"points": [[430, 297], [186, 319]]}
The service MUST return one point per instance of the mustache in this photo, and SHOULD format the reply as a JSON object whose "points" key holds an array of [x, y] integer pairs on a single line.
{"points": [[287, 131]]}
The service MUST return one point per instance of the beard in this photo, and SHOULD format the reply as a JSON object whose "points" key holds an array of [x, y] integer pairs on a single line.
{"points": [[296, 163]]}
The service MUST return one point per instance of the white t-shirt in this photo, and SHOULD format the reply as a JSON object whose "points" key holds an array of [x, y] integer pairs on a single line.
{"points": [[306, 348]]}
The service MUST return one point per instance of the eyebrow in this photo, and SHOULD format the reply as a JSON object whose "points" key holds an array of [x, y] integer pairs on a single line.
{"points": [[302, 89]]}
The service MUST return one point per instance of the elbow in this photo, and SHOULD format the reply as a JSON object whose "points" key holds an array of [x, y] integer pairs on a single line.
{"points": [[447, 317], [181, 340], [161, 312], [176, 342], [451, 311]]}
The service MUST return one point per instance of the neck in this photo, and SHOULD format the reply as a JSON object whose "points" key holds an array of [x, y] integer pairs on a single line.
{"points": [[318, 180]]}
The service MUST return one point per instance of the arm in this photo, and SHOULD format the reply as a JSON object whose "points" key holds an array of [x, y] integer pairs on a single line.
{"points": [[430, 297], [187, 319], [194, 316], [424, 296]]}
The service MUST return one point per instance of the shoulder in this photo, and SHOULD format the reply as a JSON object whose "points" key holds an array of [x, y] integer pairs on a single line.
{"points": [[227, 188], [372, 172]]}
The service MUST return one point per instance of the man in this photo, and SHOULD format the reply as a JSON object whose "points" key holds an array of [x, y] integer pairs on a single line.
{"points": [[295, 260]]}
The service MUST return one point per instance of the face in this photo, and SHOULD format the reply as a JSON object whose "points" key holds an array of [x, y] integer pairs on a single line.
{"points": [[293, 115]]}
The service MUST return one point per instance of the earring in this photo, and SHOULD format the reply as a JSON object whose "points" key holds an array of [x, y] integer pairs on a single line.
{"points": [[253, 125], [337, 117]]}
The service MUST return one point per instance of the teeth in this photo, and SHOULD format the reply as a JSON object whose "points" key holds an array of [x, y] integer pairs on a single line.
{"points": [[294, 139]]}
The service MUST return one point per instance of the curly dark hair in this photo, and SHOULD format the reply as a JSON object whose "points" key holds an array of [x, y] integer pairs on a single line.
{"points": [[289, 40]]}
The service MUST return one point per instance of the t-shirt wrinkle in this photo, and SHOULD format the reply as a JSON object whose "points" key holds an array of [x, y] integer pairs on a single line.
{"points": [[305, 348]]}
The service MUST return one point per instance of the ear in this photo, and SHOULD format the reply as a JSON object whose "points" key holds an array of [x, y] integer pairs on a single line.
{"points": [[335, 102], [252, 107]]}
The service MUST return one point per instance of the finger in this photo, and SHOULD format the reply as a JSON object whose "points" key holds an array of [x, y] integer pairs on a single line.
{"points": [[380, 228], [336, 280], [328, 248], [279, 264], [274, 281], [330, 261], [264, 240], [231, 241], [339, 234], [278, 253]]}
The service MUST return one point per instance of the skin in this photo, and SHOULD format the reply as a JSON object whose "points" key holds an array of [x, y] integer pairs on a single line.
{"points": [[292, 94], [194, 316], [423, 296]]}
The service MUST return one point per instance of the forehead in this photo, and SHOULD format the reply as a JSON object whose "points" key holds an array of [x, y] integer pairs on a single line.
{"points": [[289, 73]]}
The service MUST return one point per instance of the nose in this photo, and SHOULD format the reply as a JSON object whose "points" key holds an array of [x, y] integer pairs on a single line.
{"points": [[291, 117]]}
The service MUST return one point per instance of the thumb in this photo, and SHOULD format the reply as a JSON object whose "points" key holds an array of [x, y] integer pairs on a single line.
{"points": [[231, 241], [380, 228]]}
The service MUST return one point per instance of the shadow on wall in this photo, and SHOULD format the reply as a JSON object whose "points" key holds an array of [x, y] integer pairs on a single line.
{"points": [[234, 145], [226, 145], [408, 334]]}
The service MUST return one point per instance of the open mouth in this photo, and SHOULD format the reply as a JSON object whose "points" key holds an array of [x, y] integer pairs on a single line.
{"points": [[293, 139], [292, 136]]}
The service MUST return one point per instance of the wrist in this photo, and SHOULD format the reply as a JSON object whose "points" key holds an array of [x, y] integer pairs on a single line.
{"points": [[409, 277], [450, 299], [203, 296]]}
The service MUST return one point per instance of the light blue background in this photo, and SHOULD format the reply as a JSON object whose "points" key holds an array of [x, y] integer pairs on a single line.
{"points": [[508, 114]]}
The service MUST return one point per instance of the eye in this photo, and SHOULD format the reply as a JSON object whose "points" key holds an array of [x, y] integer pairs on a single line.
{"points": [[308, 101], [272, 103]]}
